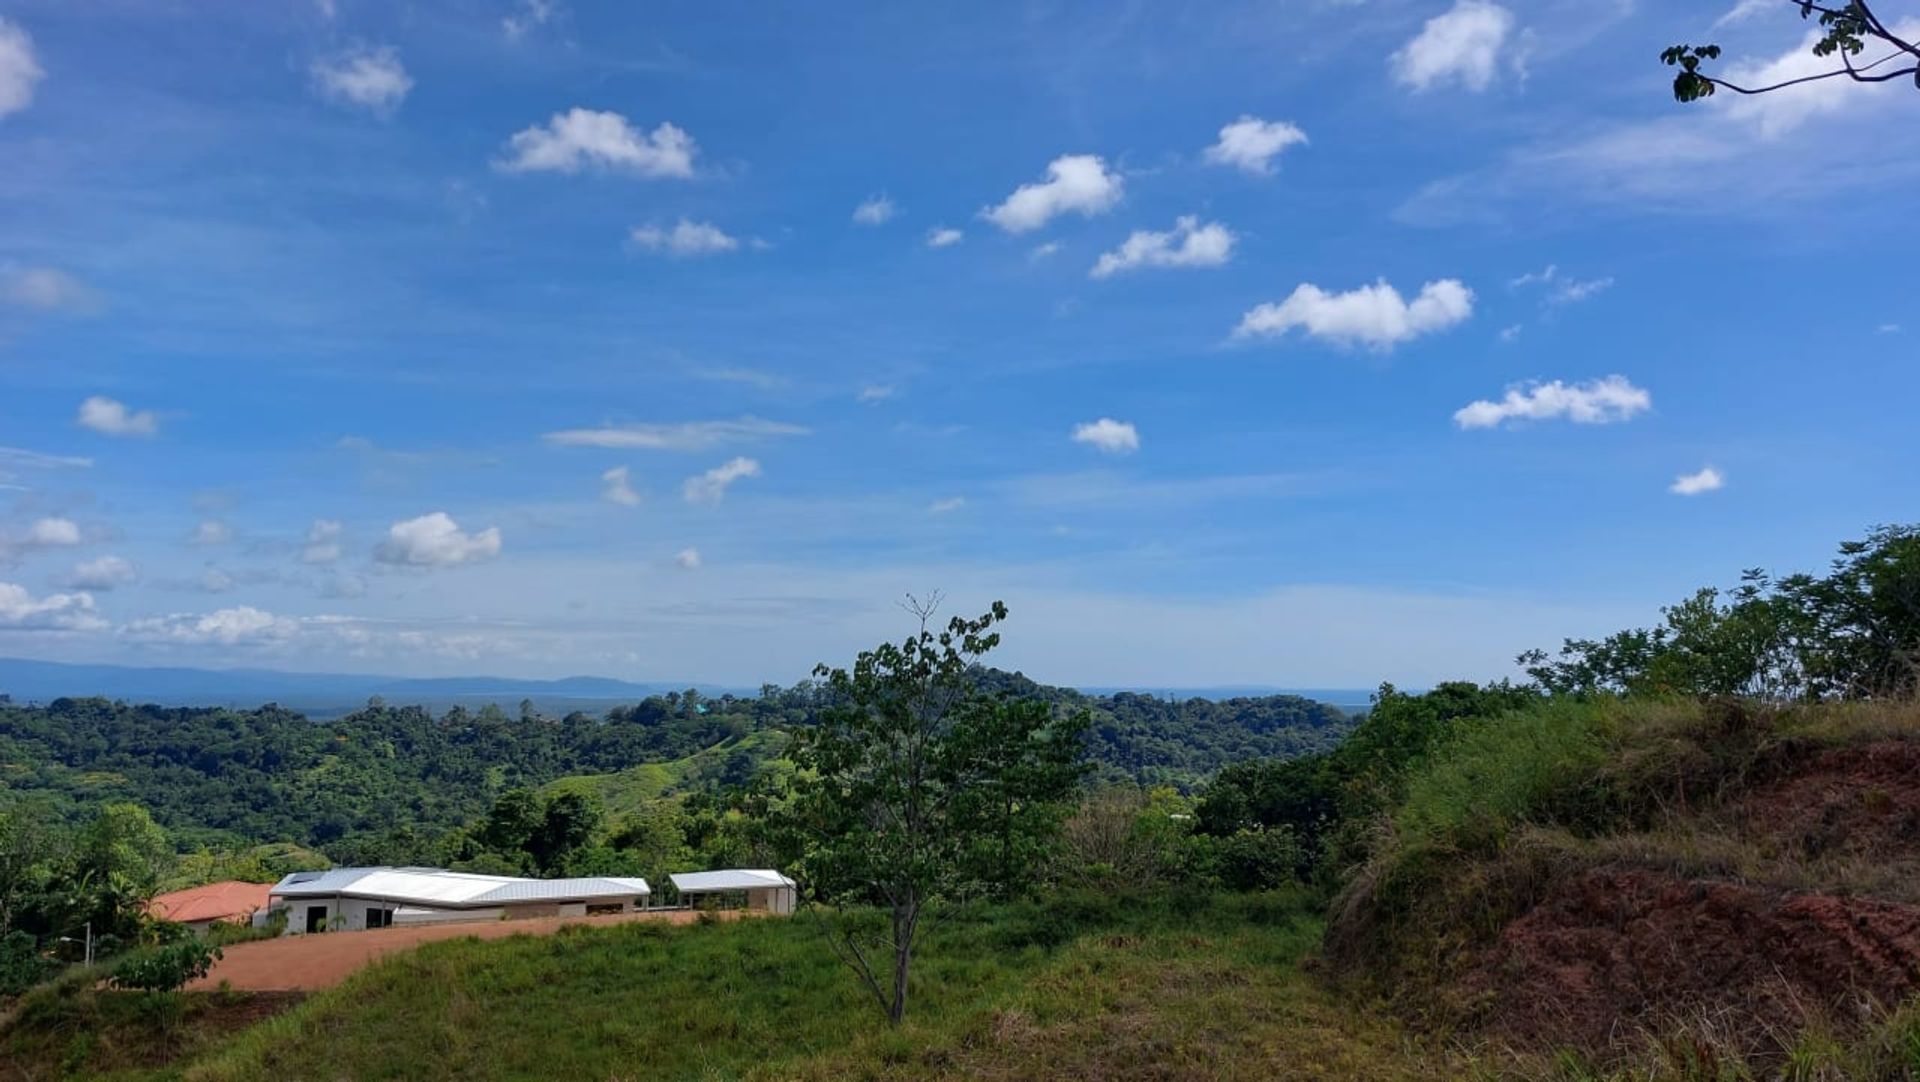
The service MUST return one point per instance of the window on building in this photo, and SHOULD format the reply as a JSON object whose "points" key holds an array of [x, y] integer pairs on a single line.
{"points": [[379, 918]]}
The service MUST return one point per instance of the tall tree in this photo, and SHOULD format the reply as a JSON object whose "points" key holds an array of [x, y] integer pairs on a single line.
{"points": [[1846, 31], [909, 779]]}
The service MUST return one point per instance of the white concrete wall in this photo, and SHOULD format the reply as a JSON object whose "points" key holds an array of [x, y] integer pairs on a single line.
{"points": [[354, 912]]}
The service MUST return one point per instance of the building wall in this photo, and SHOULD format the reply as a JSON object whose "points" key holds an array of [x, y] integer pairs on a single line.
{"points": [[350, 914]]}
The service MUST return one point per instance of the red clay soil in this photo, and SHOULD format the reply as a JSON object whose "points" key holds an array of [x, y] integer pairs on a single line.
{"points": [[1629, 946], [1616, 947], [309, 962], [1860, 800]]}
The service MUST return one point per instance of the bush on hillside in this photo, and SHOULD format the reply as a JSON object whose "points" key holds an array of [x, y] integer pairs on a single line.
{"points": [[165, 968]]}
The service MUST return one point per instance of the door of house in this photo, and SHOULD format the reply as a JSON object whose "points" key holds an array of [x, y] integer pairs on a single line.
{"points": [[316, 918]]}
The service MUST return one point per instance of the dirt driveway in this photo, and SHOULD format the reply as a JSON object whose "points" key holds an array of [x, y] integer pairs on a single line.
{"points": [[305, 963]]}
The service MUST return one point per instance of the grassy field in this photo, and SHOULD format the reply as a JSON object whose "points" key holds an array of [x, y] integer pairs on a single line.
{"points": [[1092, 988]]}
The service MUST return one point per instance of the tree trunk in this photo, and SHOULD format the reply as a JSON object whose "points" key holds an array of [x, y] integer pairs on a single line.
{"points": [[903, 922]]}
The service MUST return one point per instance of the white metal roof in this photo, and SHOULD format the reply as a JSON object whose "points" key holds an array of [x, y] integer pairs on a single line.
{"points": [[436, 887], [729, 879]]}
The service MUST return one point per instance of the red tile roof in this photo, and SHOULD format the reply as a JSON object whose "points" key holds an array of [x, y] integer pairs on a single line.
{"points": [[229, 901]]}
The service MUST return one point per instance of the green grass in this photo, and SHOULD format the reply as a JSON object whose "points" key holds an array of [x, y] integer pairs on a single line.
{"points": [[633, 789], [1089, 987], [71, 1028]]}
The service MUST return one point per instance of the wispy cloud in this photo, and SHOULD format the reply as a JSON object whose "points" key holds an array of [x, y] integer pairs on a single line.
{"points": [[876, 210], [617, 487], [684, 238], [680, 436], [365, 77], [20, 70], [47, 289], [528, 16], [712, 486]]}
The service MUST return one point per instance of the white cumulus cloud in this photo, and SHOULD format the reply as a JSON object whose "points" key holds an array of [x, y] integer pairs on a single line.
{"points": [[20, 72], [1596, 402], [711, 486], [682, 436], [1076, 183], [684, 238], [1251, 144], [941, 236], [1108, 436], [1707, 479], [242, 625], [877, 210], [1375, 316], [1462, 46], [436, 540], [110, 417], [688, 559], [54, 612], [616, 487], [1187, 244], [582, 138], [104, 573], [365, 77]]}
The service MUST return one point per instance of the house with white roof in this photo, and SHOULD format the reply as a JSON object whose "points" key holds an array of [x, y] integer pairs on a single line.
{"points": [[738, 888], [359, 898]]}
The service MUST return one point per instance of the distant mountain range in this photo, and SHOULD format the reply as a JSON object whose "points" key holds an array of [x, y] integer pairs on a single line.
{"points": [[321, 694], [331, 694]]}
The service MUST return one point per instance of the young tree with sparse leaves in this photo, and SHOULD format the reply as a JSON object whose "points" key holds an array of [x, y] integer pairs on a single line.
{"points": [[917, 785]]}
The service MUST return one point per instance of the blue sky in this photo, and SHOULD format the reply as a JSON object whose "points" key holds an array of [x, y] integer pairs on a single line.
{"points": [[1313, 343]]}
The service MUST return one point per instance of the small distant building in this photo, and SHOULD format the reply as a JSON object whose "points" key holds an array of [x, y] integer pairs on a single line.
{"points": [[759, 889], [361, 898], [200, 908]]}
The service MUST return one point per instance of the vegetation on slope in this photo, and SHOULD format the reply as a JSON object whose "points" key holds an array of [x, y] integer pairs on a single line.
{"points": [[1652, 883], [1084, 987]]}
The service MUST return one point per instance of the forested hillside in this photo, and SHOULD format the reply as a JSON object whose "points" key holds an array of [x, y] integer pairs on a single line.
{"points": [[219, 776]]}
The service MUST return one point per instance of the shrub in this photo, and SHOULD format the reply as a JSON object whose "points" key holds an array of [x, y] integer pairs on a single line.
{"points": [[1496, 773], [165, 968], [21, 964], [1261, 858]]}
